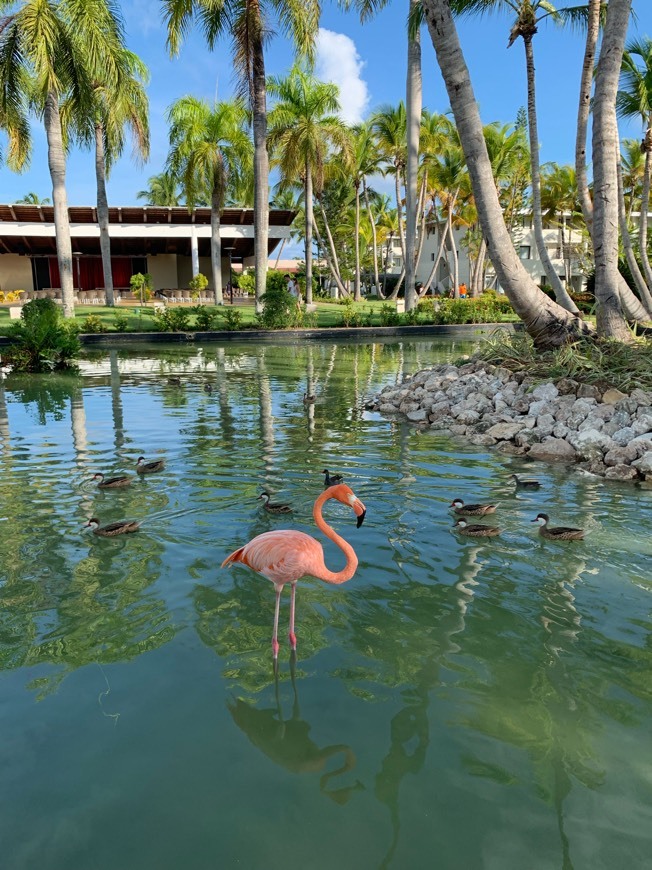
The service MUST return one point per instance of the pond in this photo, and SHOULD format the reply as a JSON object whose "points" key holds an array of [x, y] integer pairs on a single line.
{"points": [[459, 703]]}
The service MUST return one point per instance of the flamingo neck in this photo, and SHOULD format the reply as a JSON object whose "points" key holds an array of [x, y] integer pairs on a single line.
{"points": [[351, 559]]}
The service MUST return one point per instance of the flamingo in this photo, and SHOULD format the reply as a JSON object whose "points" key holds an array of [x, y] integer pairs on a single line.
{"points": [[286, 555]]}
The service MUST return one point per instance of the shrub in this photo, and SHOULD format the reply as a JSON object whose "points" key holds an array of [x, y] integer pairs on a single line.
{"points": [[197, 284], [92, 323], [279, 308], [41, 341], [232, 318], [120, 322], [173, 319], [350, 314], [141, 285], [245, 282], [389, 316], [204, 317]]}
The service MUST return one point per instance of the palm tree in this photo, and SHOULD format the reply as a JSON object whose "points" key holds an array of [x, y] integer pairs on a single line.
{"points": [[115, 106], [389, 124], [529, 13], [561, 205], [32, 198], [633, 163], [547, 322], [163, 189], [413, 108], [634, 100], [246, 24], [302, 130], [209, 148], [47, 50], [289, 199]]}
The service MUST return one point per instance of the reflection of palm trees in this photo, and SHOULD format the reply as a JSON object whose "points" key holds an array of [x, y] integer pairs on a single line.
{"points": [[116, 400], [287, 742], [5, 443]]}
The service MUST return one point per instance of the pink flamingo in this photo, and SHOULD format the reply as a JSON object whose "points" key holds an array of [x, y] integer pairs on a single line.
{"points": [[285, 555]]}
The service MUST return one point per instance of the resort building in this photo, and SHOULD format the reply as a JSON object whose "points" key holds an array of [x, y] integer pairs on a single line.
{"points": [[170, 244]]}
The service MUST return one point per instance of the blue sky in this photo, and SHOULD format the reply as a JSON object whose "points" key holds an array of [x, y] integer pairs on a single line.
{"points": [[369, 64]]}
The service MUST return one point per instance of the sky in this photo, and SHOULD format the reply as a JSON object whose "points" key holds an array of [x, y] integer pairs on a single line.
{"points": [[367, 61]]}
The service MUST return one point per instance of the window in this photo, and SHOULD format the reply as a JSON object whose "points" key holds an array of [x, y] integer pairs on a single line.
{"points": [[525, 252]]}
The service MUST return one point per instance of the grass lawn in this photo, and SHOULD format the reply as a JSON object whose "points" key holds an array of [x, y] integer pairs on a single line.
{"points": [[141, 318]]}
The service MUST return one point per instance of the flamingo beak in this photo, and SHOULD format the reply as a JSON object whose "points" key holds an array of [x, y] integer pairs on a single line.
{"points": [[360, 511]]}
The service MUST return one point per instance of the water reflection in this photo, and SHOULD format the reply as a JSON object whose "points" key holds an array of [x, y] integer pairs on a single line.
{"points": [[493, 681]]}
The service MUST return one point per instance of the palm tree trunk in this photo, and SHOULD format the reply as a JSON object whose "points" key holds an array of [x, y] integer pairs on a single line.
{"points": [[280, 251], [610, 320], [399, 211], [57, 166], [216, 246], [456, 279], [478, 283], [413, 105], [584, 110], [309, 223], [561, 294], [103, 213], [641, 286], [373, 234], [645, 205], [261, 169], [442, 244], [334, 269], [356, 280], [331, 243], [421, 215], [549, 324]]}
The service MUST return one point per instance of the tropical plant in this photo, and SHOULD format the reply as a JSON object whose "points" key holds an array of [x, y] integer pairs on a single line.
{"points": [[118, 102], [303, 127], [209, 150], [163, 190], [32, 198], [279, 307], [197, 284], [41, 341], [48, 49], [246, 24], [142, 286]]}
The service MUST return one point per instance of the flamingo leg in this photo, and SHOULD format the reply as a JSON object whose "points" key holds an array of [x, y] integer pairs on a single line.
{"points": [[291, 634], [275, 645]]}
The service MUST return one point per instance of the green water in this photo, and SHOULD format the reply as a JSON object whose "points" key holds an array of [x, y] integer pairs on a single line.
{"points": [[457, 704]]}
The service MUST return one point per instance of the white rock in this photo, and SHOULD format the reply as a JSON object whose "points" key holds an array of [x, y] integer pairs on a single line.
{"points": [[505, 431], [546, 392], [553, 450]]}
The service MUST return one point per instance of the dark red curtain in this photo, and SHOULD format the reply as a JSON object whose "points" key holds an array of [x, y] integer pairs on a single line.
{"points": [[87, 273], [121, 268], [55, 281]]}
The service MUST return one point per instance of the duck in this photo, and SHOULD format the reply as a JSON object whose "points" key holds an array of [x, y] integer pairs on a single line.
{"points": [[525, 482], [143, 467], [308, 400], [331, 479], [472, 510], [274, 507], [174, 381], [475, 530], [111, 482], [557, 533], [124, 527], [208, 388]]}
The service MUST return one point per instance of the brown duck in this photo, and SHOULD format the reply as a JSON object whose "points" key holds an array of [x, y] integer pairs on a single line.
{"points": [[472, 510], [557, 533], [475, 530], [525, 482], [143, 467], [331, 479], [124, 527], [111, 482], [274, 507]]}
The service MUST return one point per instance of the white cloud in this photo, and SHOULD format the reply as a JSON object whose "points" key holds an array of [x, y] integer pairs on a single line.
{"points": [[338, 61]]}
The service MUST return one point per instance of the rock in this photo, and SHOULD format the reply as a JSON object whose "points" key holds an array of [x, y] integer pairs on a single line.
{"points": [[642, 424], [482, 440], [560, 430], [541, 407], [624, 436], [503, 374], [595, 466], [545, 425], [468, 418], [553, 450], [386, 408], [620, 455], [406, 406], [612, 396], [591, 422], [442, 424], [505, 431], [641, 397], [457, 429], [621, 472], [521, 406], [644, 464], [642, 444], [590, 443], [527, 437], [547, 392], [588, 391], [567, 386], [628, 405], [416, 416], [529, 422], [510, 449]]}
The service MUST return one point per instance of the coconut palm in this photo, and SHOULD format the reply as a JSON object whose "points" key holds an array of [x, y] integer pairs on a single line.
{"points": [[632, 160], [290, 199], [634, 100], [47, 49], [246, 24], [561, 206], [303, 127], [163, 189], [209, 149], [116, 105], [547, 322], [529, 13], [32, 198]]}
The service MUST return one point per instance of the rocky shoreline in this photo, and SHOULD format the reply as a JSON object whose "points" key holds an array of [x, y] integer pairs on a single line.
{"points": [[606, 432]]}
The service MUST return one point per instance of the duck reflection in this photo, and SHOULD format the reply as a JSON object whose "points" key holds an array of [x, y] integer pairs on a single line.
{"points": [[287, 742]]}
